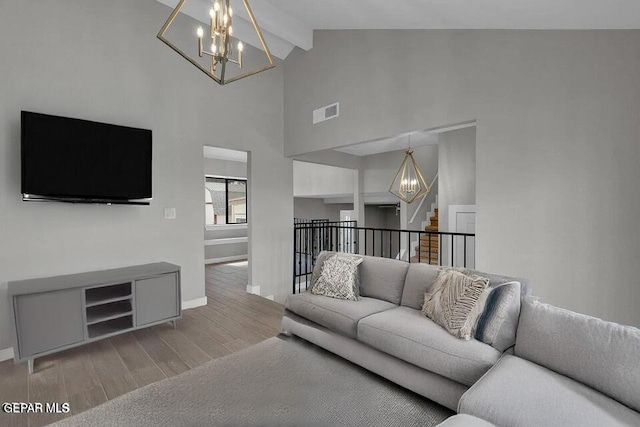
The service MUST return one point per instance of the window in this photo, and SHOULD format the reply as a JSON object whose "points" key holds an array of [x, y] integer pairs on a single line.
{"points": [[225, 201]]}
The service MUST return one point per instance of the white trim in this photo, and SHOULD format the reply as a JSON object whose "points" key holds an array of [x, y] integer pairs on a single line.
{"points": [[455, 209], [269, 297], [242, 226], [253, 289], [456, 126], [226, 241], [6, 354], [226, 259], [199, 302]]}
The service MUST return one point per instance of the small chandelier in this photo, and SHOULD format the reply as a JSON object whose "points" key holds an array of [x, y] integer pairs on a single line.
{"points": [[409, 184], [219, 46]]}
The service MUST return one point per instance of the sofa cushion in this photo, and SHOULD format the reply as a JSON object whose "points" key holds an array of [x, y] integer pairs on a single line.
{"points": [[603, 355], [520, 393], [420, 277], [406, 334], [498, 323], [338, 315], [454, 302], [339, 277], [380, 278], [464, 420]]}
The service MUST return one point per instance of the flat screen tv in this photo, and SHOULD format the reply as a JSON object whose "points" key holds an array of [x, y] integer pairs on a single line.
{"points": [[72, 160]]}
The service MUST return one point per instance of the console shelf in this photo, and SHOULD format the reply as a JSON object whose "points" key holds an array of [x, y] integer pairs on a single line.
{"points": [[102, 294], [110, 327], [79, 308], [108, 311]]}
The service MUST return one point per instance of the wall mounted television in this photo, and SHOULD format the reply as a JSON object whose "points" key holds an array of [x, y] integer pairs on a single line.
{"points": [[79, 161]]}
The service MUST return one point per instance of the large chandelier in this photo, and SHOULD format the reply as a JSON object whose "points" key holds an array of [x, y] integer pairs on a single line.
{"points": [[217, 42], [409, 184]]}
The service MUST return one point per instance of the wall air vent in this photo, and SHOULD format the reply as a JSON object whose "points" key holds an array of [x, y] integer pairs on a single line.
{"points": [[325, 113]]}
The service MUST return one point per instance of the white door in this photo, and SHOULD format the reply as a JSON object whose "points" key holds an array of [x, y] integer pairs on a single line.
{"points": [[345, 235], [462, 219]]}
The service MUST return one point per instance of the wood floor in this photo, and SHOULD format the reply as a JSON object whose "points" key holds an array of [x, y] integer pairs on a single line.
{"points": [[89, 375]]}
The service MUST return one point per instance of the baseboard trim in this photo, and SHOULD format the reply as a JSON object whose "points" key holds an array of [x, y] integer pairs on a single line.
{"points": [[253, 289], [225, 259], [6, 354], [199, 302]]}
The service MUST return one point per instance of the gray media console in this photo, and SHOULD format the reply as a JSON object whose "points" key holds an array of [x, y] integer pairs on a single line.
{"points": [[55, 313]]}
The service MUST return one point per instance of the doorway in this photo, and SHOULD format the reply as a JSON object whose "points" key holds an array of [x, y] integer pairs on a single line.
{"points": [[226, 218]]}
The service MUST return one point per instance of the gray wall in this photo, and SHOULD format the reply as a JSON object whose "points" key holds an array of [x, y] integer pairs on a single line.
{"points": [[312, 179], [225, 168], [223, 251], [457, 178], [311, 208], [102, 61], [557, 140]]}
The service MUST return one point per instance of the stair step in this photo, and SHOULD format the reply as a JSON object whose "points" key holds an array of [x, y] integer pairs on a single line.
{"points": [[431, 228], [425, 242], [424, 260], [425, 251], [425, 236]]}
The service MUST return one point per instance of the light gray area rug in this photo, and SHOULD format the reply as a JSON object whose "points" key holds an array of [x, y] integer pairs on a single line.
{"points": [[281, 381]]}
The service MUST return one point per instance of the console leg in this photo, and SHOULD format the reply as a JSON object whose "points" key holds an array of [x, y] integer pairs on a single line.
{"points": [[173, 322], [30, 366]]}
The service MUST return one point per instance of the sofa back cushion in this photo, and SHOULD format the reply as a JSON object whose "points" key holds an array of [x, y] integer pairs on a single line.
{"points": [[600, 354], [420, 277], [380, 278]]}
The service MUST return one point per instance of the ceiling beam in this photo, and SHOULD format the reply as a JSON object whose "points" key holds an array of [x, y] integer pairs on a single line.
{"points": [[277, 22]]}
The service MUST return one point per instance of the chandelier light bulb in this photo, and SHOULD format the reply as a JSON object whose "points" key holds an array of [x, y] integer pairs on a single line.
{"points": [[214, 48], [225, 18], [200, 32], [216, 6], [240, 47], [211, 13], [230, 30], [230, 12]]}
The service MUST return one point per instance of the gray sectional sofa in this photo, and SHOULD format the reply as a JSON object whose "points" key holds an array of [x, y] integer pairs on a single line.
{"points": [[548, 374], [567, 369], [386, 333]]}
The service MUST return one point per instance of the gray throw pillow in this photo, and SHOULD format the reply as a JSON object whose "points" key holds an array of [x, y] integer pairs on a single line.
{"points": [[339, 277], [498, 322], [453, 302]]}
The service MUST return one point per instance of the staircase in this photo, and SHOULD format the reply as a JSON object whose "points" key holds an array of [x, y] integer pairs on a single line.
{"points": [[427, 251]]}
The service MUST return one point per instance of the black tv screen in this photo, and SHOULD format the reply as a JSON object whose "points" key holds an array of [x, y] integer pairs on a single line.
{"points": [[77, 160]]}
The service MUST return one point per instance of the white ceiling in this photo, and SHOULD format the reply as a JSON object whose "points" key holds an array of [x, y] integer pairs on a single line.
{"points": [[225, 154], [290, 23], [282, 32], [500, 14]]}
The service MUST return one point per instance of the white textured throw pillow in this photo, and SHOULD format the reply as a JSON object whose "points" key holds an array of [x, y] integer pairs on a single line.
{"points": [[339, 277], [454, 302]]}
